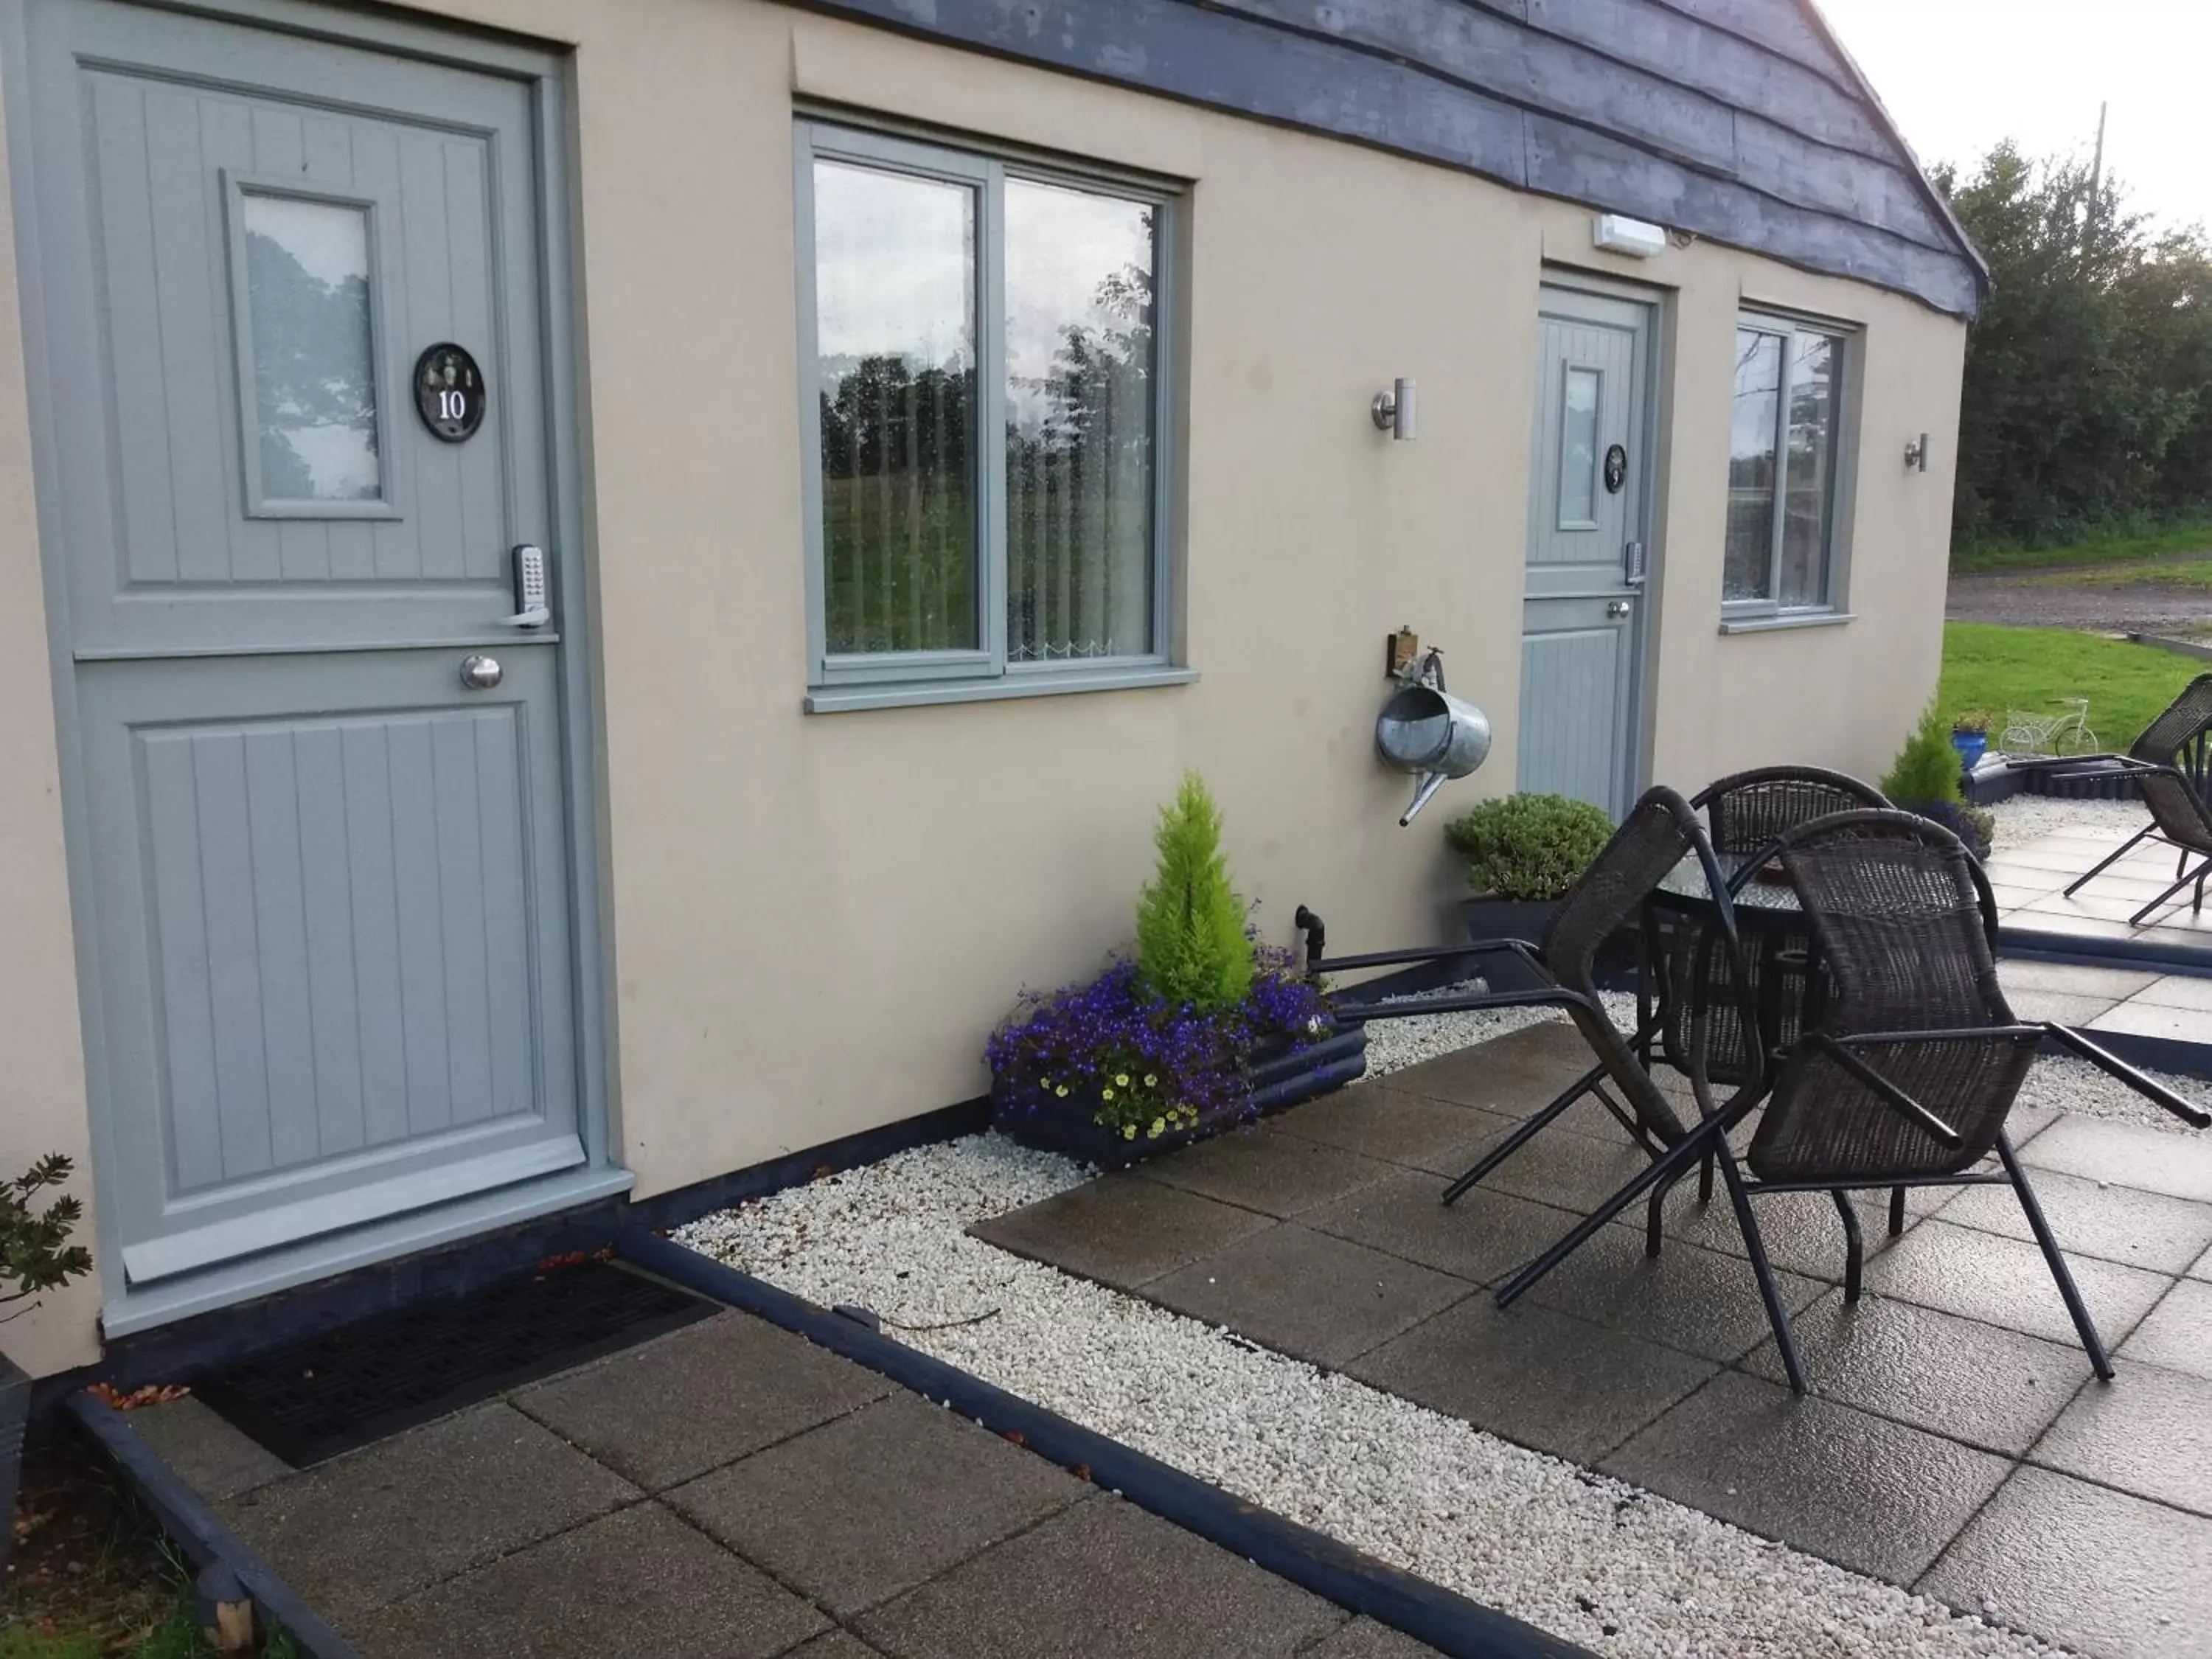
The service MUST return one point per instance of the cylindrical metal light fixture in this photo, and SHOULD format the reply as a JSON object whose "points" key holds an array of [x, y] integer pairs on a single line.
{"points": [[1395, 410]]}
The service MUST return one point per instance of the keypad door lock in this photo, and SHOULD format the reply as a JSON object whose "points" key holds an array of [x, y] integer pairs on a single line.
{"points": [[533, 594]]}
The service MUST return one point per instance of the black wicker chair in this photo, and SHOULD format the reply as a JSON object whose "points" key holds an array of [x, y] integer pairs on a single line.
{"points": [[2171, 765], [1911, 1070], [1659, 831], [1745, 813]]}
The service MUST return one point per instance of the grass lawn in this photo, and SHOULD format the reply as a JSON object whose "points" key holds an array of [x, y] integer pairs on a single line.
{"points": [[2194, 536], [92, 1577], [1991, 667]]}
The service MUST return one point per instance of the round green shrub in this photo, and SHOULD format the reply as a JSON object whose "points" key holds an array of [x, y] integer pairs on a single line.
{"points": [[1529, 847]]}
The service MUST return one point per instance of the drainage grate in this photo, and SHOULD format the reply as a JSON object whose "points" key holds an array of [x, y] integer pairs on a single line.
{"points": [[329, 1393]]}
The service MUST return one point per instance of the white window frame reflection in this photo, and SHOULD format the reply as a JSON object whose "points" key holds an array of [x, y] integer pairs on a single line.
{"points": [[988, 667], [236, 187], [1842, 451]]}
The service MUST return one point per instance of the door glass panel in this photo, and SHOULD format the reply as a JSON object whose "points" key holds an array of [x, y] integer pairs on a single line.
{"points": [[314, 367], [1810, 470], [1578, 449], [1747, 569], [1080, 385], [895, 322]]}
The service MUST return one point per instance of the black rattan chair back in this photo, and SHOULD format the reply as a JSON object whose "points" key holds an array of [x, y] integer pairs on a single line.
{"points": [[2178, 739], [1901, 920], [1749, 810], [1747, 813], [1659, 831]]}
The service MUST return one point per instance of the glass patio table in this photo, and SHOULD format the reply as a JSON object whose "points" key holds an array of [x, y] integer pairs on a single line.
{"points": [[1785, 991]]}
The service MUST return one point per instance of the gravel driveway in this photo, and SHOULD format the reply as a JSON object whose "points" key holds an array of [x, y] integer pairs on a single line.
{"points": [[2144, 607]]}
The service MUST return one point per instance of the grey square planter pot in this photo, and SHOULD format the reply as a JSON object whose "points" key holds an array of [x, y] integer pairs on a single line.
{"points": [[15, 1412], [1486, 919]]}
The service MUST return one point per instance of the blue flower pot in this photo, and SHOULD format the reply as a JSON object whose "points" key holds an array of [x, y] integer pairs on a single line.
{"points": [[1971, 746]]}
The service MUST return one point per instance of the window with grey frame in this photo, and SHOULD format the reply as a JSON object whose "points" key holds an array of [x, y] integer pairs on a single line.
{"points": [[984, 411], [1786, 442]]}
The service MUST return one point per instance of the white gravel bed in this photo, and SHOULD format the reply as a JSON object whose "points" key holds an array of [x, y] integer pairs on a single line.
{"points": [[2063, 1083], [1395, 1044], [1601, 1563], [2024, 819]]}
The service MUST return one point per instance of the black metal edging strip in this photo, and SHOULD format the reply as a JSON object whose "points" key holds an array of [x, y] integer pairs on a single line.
{"points": [[185, 1516], [2194, 960], [1353, 1579]]}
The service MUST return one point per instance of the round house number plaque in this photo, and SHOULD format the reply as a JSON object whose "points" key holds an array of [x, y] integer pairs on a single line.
{"points": [[1616, 469], [449, 392]]}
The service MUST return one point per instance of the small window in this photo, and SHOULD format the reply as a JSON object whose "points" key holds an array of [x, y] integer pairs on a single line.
{"points": [[303, 279], [1786, 441], [985, 414]]}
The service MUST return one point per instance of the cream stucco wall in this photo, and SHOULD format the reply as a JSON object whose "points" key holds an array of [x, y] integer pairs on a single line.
{"points": [[815, 919], [42, 1098]]}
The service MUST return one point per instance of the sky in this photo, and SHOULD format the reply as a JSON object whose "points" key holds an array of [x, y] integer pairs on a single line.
{"points": [[1959, 74]]}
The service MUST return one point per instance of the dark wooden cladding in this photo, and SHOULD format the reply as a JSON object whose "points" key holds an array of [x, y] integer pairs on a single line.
{"points": [[1733, 119]]}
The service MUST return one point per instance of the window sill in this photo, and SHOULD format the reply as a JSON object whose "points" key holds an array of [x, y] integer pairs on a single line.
{"points": [[914, 694], [1793, 619]]}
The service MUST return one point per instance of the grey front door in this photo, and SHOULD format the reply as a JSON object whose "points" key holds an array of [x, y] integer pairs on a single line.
{"points": [[332, 952], [1583, 609]]}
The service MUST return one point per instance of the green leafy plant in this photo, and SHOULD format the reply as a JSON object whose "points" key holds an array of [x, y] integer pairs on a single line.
{"points": [[1192, 948], [35, 1255], [1529, 847], [1975, 722], [1926, 770]]}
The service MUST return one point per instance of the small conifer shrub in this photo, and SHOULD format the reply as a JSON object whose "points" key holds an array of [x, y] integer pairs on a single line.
{"points": [[1192, 949], [1926, 770]]}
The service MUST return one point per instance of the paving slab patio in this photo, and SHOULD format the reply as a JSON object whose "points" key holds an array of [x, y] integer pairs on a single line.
{"points": [[800, 1506], [1941, 1408], [2030, 880]]}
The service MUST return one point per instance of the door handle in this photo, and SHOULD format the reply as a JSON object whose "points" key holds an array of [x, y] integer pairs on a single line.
{"points": [[480, 672], [1616, 608]]}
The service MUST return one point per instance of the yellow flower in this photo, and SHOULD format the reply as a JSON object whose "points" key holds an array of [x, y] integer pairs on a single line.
{"points": [[1128, 1132], [1105, 1094], [1122, 1079], [1159, 1127], [1060, 1090], [1151, 1081]]}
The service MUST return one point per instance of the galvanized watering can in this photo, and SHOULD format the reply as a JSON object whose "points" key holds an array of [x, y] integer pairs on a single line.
{"points": [[1424, 730]]}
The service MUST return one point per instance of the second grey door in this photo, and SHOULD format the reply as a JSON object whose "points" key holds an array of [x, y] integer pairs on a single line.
{"points": [[330, 878], [1582, 608]]}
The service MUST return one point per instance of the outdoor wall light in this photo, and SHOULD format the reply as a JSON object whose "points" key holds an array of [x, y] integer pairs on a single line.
{"points": [[1617, 234], [1916, 454], [1394, 410]]}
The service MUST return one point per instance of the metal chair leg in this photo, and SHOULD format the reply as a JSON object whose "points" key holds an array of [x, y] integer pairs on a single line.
{"points": [[2202, 873], [1778, 1315], [1896, 1211], [1705, 1180], [1522, 1136], [2084, 1326], [1673, 1166], [2096, 870], [1654, 1218], [1854, 1245]]}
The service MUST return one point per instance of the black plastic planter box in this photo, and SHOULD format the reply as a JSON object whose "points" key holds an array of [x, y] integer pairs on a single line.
{"points": [[1281, 1077], [15, 1411], [1487, 919]]}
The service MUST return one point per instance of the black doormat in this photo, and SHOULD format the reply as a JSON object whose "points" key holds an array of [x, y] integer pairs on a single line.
{"points": [[329, 1393]]}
